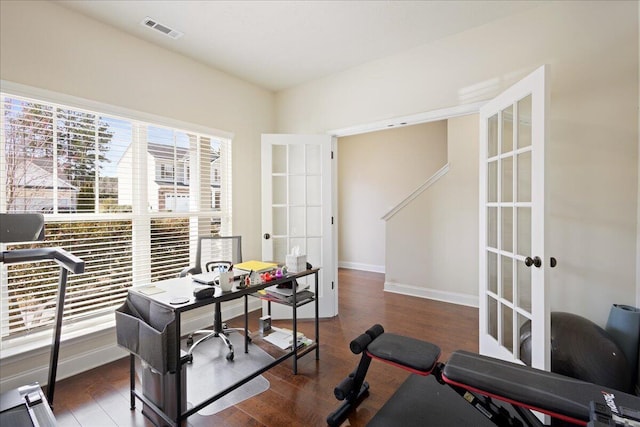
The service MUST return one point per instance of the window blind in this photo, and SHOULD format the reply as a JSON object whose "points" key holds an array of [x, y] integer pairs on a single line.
{"points": [[129, 197]]}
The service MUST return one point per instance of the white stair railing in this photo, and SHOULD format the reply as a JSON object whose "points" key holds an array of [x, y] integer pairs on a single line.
{"points": [[428, 183]]}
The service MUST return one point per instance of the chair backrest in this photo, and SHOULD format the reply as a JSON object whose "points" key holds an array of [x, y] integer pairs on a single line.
{"points": [[218, 249]]}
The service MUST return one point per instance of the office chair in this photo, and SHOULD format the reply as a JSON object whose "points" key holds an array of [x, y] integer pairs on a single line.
{"points": [[212, 252]]}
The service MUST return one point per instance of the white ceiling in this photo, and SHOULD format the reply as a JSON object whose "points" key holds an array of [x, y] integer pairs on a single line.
{"points": [[280, 44]]}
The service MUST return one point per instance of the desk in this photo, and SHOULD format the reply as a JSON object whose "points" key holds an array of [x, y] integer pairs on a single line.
{"points": [[174, 289]]}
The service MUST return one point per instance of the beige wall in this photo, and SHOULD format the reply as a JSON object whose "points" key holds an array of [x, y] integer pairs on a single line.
{"points": [[376, 171], [592, 50], [47, 46], [432, 244]]}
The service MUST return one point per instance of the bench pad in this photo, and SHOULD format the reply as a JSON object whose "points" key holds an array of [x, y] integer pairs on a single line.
{"points": [[554, 394], [408, 353]]}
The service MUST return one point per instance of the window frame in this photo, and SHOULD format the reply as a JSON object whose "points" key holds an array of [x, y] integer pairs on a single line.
{"points": [[86, 326]]}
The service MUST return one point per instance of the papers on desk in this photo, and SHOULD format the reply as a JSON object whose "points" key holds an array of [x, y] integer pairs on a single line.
{"points": [[150, 290], [281, 338], [286, 294], [208, 278], [257, 266]]}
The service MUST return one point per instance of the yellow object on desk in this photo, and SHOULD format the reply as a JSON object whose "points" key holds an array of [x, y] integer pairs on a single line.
{"points": [[257, 266]]}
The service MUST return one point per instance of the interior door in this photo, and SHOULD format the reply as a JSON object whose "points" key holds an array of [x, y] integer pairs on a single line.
{"points": [[298, 205], [512, 230]]}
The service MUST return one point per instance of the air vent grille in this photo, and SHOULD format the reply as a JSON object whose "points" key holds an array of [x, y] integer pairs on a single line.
{"points": [[153, 24]]}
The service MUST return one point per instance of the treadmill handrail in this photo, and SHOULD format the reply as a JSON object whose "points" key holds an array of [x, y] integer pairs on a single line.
{"points": [[62, 257]]}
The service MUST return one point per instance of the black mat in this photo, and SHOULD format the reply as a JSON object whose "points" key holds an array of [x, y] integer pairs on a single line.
{"points": [[211, 372], [422, 401]]}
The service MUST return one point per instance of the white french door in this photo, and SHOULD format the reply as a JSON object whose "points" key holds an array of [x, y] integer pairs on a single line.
{"points": [[298, 205], [512, 222]]}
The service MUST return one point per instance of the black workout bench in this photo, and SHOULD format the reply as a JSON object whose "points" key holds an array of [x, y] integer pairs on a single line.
{"points": [[480, 379]]}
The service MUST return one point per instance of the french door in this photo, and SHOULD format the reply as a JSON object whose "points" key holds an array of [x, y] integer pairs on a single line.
{"points": [[298, 205], [512, 266]]}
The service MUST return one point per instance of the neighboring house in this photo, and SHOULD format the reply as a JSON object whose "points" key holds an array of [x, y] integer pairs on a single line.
{"points": [[34, 189], [168, 184]]}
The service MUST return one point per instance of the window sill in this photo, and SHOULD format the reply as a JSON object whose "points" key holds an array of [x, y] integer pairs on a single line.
{"points": [[40, 342]]}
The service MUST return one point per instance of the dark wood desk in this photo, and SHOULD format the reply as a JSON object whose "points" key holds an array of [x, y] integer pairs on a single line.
{"points": [[173, 290]]}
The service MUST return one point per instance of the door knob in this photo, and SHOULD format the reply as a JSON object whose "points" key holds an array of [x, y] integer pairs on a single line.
{"points": [[528, 261], [267, 236]]}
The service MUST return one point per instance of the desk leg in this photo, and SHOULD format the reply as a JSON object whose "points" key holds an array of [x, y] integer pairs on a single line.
{"points": [[178, 373], [316, 320], [294, 338], [246, 323], [132, 381]]}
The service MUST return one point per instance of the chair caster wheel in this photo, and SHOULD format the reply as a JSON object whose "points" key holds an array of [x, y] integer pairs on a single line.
{"points": [[190, 340], [249, 339], [189, 358], [230, 356]]}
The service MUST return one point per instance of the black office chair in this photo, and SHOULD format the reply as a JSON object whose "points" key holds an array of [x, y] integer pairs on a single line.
{"points": [[212, 252]]}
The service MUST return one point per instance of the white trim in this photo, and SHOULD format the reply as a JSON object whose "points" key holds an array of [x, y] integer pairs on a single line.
{"points": [[414, 119], [361, 266], [428, 183], [103, 350], [18, 89], [434, 294]]}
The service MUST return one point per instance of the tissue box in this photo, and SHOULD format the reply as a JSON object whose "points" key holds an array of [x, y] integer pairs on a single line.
{"points": [[296, 263]]}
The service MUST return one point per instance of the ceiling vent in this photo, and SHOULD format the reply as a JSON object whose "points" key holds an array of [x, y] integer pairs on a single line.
{"points": [[152, 23]]}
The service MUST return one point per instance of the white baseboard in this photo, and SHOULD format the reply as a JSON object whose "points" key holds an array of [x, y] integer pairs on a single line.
{"points": [[33, 366], [435, 294], [361, 266]]}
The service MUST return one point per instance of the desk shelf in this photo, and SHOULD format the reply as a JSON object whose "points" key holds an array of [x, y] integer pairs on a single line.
{"points": [[283, 302]]}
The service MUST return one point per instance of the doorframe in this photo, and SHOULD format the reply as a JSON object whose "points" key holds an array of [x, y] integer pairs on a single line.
{"points": [[400, 121], [413, 119]]}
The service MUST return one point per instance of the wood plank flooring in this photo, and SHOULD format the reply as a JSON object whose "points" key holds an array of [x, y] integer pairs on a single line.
{"points": [[100, 397]]}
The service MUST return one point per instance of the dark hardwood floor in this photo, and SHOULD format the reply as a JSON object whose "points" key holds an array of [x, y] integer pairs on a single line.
{"points": [[100, 397]]}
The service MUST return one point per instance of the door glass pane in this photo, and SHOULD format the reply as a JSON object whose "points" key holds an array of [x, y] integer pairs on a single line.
{"points": [[524, 287], [279, 249], [492, 227], [524, 230], [314, 161], [507, 129], [506, 221], [507, 327], [279, 221], [314, 190], [506, 291], [524, 122], [297, 221], [279, 158], [524, 177], [523, 333], [492, 182], [296, 190], [492, 139], [279, 190], [507, 180], [492, 317], [296, 159], [492, 272], [314, 221]]}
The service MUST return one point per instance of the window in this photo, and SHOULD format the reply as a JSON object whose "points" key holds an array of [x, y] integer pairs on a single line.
{"points": [[115, 191]]}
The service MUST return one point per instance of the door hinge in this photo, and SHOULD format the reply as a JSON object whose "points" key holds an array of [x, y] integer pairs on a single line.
{"points": [[331, 154], [331, 220], [331, 285]]}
